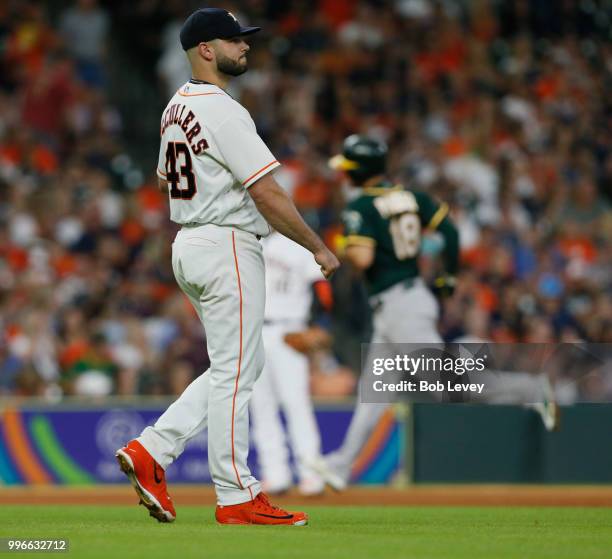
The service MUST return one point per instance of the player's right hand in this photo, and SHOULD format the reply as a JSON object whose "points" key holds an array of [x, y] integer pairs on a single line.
{"points": [[328, 262]]}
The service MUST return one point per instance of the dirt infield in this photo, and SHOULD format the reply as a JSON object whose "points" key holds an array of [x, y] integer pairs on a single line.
{"points": [[433, 495]]}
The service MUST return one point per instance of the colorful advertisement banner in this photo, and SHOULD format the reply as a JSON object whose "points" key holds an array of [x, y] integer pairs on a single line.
{"points": [[77, 447]]}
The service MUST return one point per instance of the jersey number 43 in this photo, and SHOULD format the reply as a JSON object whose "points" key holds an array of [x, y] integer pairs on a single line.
{"points": [[178, 153]]}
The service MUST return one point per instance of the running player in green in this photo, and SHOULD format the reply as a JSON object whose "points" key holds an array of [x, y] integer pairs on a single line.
{"points": [[384, 225]]}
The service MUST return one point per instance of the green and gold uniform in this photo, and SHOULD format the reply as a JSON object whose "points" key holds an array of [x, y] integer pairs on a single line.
{"points": [[392, 218]]}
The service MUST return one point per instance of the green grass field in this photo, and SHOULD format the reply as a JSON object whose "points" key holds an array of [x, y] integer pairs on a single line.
{"points": [[334, 532]]}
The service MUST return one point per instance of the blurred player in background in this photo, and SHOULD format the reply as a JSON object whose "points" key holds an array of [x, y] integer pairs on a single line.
{"points": [[284, 384], [384, 226]]}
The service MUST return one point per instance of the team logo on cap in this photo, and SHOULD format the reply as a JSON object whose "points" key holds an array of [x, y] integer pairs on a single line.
{"points": [[232, 16]]}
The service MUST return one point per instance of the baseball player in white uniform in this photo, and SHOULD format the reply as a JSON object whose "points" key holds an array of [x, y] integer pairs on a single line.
{"points": [[217, 172], [284, 382]]}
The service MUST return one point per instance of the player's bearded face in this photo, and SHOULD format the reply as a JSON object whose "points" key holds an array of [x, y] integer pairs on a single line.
{"points": [[232, 66]]}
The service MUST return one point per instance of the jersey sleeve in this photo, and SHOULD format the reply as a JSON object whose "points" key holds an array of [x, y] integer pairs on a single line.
{"points": [[434, 217], [245, 153], [431, 212], [358, 227]]}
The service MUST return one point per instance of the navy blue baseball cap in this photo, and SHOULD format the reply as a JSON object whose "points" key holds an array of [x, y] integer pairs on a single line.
{"points": [[207, 24]]}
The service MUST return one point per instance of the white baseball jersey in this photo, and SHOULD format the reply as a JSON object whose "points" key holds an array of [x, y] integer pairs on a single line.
{"points": [[210, 153], [290, 272]]}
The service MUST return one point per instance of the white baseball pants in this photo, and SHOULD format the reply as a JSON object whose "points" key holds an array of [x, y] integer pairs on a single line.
{"points": [[284, 385], [405, 315], [221, 270]]}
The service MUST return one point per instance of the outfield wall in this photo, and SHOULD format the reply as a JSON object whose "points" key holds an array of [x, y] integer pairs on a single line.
{"points": [[74, 444], [508, 444]]}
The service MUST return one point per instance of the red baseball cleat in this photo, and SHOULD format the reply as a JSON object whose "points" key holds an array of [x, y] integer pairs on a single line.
{"points": [[259, 511], [148, 479]]}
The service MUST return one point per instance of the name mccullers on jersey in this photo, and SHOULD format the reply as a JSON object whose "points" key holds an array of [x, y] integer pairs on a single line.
{"points": [[174, 115]]}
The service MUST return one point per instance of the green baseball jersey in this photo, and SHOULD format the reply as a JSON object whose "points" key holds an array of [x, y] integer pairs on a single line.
{"points": [[391, 219]]}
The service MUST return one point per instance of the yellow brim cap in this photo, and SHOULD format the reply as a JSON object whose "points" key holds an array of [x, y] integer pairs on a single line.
{"points": [[342, 163]]}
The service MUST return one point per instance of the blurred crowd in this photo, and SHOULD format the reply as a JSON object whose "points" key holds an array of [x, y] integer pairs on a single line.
{"points": [[501, 109]]}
